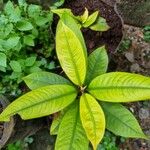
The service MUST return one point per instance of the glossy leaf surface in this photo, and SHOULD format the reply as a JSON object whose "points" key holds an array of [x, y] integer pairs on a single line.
{"points": [[40, 102], [97, 63], [121, 121], [91, 19], [39, 79], [120, 87], [70, 51], [92, 118], [71, 135], [56, 122]]}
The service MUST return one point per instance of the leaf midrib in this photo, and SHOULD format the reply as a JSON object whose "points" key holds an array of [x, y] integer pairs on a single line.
{"points": [[91, 114], [73, 131], [72, 58], [41, 102], [118, 87], [91, 74]]}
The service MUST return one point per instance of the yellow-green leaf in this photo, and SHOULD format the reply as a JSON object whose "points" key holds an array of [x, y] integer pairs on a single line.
{"points": [[40, 102], [70, 50], [61, 11], [71, 135], [39, 79], [97, 63], [120, 87], [100, 25], [85, 15], [91, 19], [56, 122], [121, 121], [74, 26], [92, 118]]}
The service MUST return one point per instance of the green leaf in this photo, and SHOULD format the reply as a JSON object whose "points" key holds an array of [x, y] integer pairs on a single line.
{"points": [[8, 29], [39, 79], [28, 40], [12, 42], [74, 27], [40, 102], [61, 11], [71, 132], [30, 61], [92, 118], [56, 122], [24, 25], [40, 21], [85, 15], [97, 63], [71, 50], [59, 3], [3, 69], [22, 2], [34, 69], [91, 19], [121, 121], [100, 25], [120, 87], [34, 10], [3, 60], [16, 15], [15, 65], [9, 8]]}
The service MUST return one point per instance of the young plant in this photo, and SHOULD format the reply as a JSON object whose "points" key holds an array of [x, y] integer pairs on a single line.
{"points": [[25, 29], [89, 102], [93, 21]]}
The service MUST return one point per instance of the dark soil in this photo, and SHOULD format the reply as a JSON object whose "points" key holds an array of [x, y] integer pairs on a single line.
{"points": [[111, 38]]}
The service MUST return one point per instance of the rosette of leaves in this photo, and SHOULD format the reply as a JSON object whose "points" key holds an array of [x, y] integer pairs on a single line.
{"points": [[88, 101]]}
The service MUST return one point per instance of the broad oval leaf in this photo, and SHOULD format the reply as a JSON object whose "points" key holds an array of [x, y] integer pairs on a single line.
{"points": [[70, 51], [39, 79], [120, 87], [71, 135], [121, 121], [40, 102], [92, 118], [97, 63], [24, 25]]}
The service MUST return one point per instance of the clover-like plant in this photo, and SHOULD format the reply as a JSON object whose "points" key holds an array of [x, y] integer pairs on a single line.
{"points": [[87, 102]]}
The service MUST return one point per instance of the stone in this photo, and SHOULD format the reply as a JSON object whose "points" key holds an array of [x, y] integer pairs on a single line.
{"points": [[135, 68], [144, 113], [129, 56]]}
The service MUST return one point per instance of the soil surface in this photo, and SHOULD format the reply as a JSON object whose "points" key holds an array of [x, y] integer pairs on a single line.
{"points": [[135, 12], [135, 59], [110, 38]]}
